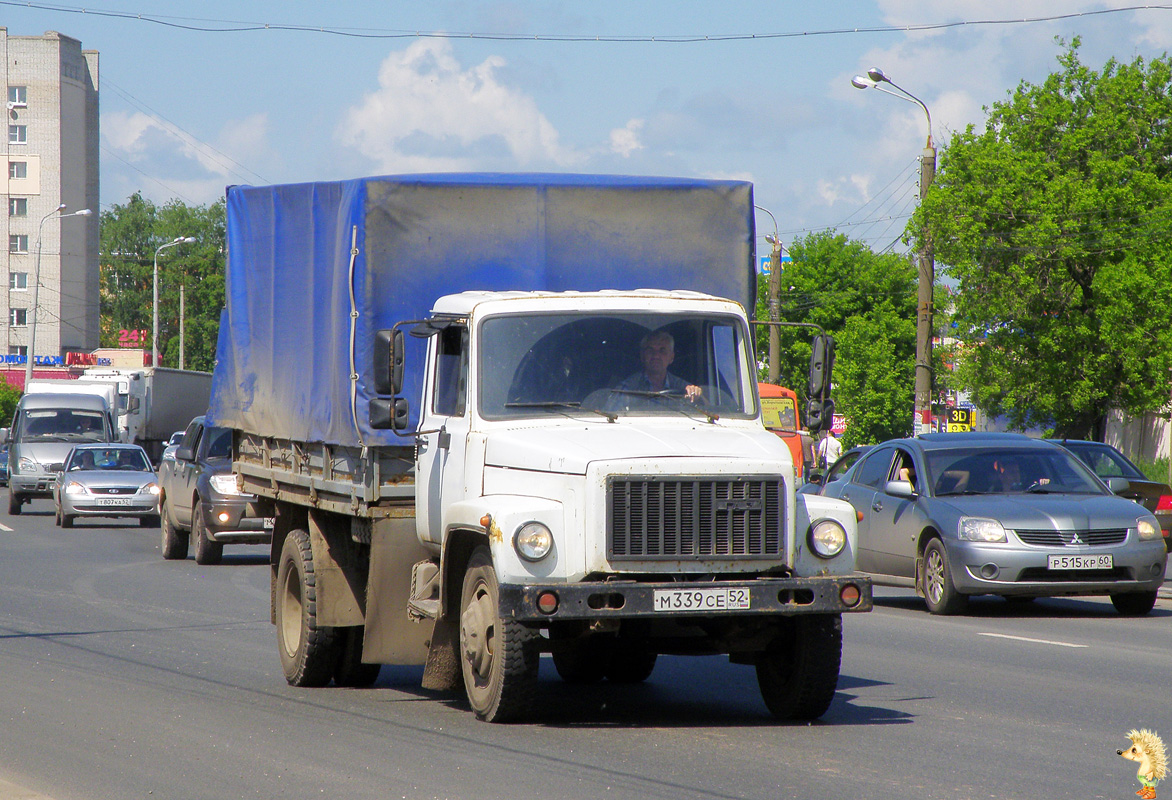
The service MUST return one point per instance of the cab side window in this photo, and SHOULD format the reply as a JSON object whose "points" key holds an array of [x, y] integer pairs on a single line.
{"points": [[451, 372]]}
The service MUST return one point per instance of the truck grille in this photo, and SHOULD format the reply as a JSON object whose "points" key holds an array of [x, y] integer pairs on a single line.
{"points": [[698, 518]]}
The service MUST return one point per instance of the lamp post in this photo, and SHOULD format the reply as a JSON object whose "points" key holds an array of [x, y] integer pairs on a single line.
{"points": [[926, 267], [32, 336], [774, 301], [178, 240]]}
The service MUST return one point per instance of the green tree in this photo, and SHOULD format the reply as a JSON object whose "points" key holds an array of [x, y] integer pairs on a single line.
{"points": [[130, 236], [1054, 220], [868, 303], [9, 396]]}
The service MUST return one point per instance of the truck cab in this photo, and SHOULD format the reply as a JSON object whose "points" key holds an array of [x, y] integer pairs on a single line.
{"points": [[625, 518]]}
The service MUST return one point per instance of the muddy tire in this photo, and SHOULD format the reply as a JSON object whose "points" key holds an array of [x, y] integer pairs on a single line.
{"points": [[173, 541], [498, 657], [206, 551], [798, 673], [309, 652], [630, 664], [581, 660], [350, 671]]}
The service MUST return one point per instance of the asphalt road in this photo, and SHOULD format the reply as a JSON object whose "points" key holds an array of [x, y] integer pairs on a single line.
{"points": [[125, 676]]}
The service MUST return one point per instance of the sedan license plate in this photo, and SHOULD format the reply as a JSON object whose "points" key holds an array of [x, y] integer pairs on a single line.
{"points": [[732, 599], [113, 501], [1080, 562]]}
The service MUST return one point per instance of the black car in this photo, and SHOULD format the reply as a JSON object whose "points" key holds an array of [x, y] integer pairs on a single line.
{"points": [[1107, 462], [200, 498]]}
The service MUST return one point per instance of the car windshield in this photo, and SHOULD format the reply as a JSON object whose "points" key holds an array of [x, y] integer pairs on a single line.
{"points": [[126, 459], [1003, 470], [219, 442], [617, 365], [62, 425]]}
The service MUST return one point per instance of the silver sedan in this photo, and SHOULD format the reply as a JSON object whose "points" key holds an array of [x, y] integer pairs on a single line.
{"points": [[106, 480], [976, 514]]}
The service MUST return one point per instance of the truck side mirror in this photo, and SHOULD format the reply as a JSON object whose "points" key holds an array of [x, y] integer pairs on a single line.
{"points": [[821, 365], [389, 414], [388, 361]]}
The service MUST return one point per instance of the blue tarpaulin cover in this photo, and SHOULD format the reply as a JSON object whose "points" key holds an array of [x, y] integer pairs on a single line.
{"points": [[283, 357]]}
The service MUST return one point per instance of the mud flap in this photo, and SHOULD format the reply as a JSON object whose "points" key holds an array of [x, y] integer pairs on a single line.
{"points": [[392, 637]]}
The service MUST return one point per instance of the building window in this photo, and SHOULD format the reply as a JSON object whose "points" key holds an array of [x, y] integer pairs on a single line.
{"points": [[18, 243], [18, 206], [17, 281], [17, 170], [17, 317], [18, 350], [17, 96], [17, 134]]}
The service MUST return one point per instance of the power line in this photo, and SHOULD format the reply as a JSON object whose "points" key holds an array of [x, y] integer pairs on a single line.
{"points": [[204, 25]]}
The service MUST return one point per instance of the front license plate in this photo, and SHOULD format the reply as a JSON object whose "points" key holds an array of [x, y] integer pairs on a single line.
{"points": [[1080, 562], [735, 599], [113, 501]]}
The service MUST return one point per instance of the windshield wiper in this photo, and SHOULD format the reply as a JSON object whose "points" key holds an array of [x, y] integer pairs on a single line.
{"points": [[560, 404]]}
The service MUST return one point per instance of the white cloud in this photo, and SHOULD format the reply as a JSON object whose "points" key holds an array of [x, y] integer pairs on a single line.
{"points": [[625, 141], [431, 113]]}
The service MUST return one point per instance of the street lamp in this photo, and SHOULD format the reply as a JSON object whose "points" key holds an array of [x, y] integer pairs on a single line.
{"points": [[155, 305], [874, 79], [32, 336], [774, 300]]}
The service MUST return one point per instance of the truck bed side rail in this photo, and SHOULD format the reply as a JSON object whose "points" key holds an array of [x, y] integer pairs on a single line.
{"points": [[372, 482]]}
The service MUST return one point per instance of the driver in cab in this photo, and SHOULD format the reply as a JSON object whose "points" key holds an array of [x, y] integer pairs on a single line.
{"points": [[656, 353]]}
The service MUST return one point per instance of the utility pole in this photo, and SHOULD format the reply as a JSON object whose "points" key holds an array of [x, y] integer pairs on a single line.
{"points": [[775, 311], [924, 300], [182, 309]]}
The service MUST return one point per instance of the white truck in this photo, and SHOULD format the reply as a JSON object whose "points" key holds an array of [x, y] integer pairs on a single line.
{"points": [[508, 479], [152, 403]]}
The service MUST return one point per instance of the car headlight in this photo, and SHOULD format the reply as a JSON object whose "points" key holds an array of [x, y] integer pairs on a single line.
{"points": [[827, 538], [225, 484], [1148, 529], [150, 488], [981, 529], [533, 541], [73, 487], [28, 465]]}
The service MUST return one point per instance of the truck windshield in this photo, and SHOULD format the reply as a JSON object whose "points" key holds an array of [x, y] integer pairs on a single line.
{"points": [[632, 364]]}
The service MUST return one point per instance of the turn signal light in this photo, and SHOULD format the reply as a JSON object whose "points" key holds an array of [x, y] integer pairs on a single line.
{"points": [[547, 602], [850, 595]]}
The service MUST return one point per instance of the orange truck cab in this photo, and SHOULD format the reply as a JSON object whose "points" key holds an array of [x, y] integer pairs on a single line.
{"points": [[779, 412]]}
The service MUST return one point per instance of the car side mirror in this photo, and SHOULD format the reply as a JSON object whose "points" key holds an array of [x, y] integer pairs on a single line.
{"points": [[184, 454], [4, 434], [57, 467], [1118, 485], [900, 489]]}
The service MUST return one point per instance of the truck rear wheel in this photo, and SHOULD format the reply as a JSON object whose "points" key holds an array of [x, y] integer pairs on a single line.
{"points": [[498, 657], [174, 541], [581, 660], [798, 673], [206, 551], [630, 664], [350, 671], [309, 653]]}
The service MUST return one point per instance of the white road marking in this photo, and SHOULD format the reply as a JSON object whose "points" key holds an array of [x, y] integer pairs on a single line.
{"points": [[1035, 641], [4, 527]]}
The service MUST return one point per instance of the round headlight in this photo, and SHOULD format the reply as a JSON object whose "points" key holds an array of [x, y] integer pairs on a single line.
{"points": [[1148, 529], [533, 541], [827, 538]]}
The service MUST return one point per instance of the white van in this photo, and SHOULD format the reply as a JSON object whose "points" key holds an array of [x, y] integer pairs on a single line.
{"points": [[45, 428]]}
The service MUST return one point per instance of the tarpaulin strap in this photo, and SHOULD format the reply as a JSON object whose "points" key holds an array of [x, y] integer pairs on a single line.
{"points": [[353, 337]]}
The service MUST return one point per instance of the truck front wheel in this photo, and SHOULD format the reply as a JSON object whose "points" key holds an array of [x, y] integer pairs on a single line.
{"points": [[498, 657], [309, 652], [798, 673]]}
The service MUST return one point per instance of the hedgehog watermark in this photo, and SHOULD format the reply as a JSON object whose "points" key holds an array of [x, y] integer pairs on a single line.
{"points": [[1147, 748]]}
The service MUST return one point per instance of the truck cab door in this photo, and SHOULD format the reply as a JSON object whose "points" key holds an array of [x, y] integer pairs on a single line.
{"points": [[444, 425]]}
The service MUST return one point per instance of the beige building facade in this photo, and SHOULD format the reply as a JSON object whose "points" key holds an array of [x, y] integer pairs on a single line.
{"points": [[51, 159]]}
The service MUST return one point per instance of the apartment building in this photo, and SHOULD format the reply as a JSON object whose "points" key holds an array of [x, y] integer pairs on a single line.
{"points": [[51, 154]]}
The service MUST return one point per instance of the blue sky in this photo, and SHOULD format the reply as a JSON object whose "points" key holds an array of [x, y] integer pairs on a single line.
{"points": [[197, 96]]}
